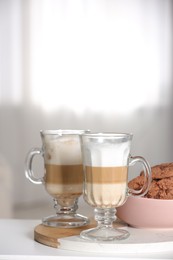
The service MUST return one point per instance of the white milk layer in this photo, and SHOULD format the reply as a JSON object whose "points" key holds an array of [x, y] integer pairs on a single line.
{"points": [[63, 150], [106, 154], [105, 195]]}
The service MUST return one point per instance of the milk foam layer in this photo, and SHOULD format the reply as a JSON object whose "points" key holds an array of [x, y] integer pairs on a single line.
{"points": [[62, 150], [103, 154], [105, 195]]}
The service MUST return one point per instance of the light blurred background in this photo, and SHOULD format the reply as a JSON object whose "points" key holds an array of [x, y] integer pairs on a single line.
{"points": [[104, 65]]}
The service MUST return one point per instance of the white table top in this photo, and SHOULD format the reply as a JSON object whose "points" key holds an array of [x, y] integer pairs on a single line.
{"points": [[17, 242]]}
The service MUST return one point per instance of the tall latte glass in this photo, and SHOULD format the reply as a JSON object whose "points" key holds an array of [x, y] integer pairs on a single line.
{"points": [[63, 175], [106, 159]]}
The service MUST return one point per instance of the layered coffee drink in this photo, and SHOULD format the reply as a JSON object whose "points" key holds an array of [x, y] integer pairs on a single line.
{"points": [[63, 175], [106, 174], [105, 187], [106, 160], [63, 168]]}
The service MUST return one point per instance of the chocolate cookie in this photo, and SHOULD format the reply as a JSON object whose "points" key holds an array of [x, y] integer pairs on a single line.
{"points": [[161, 171], [162, 182], [136, 183]]}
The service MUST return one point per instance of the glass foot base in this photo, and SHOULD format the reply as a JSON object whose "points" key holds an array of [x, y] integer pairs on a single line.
{"points": [[65, 220], [104, 234]]}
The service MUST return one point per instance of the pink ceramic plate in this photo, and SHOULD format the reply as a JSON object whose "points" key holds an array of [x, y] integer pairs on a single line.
{"points": [[147, 213]]}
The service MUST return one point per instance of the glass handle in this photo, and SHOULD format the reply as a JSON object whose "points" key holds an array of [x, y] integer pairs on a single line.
{"points": [[147, 175], [28, 166]]}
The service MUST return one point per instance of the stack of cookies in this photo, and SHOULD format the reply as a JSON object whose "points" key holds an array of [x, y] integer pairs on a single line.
{"points": [[162, 182]]}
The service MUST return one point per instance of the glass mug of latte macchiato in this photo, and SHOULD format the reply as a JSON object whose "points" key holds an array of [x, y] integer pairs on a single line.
{"points": [[106, 159], [63, 175]]}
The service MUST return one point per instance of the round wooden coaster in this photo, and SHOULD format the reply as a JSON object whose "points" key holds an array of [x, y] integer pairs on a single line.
{"points": [[49, 235]]}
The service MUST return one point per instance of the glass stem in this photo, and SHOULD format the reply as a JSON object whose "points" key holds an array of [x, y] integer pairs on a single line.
{"points": [[105, 217], [65, 209]]}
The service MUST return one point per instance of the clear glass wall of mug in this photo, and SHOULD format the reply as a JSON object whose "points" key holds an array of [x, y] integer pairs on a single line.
{"points": [[63, 175], [106, 159]]}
